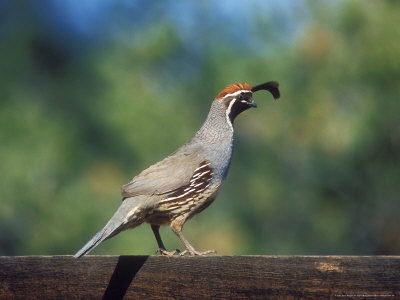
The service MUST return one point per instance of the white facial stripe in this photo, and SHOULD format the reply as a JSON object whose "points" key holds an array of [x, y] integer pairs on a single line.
{"points": [[228, 111], [236, 93]]}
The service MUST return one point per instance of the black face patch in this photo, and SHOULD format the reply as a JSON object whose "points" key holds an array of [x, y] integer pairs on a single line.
{"points": [[237, 104], [246, 96]]}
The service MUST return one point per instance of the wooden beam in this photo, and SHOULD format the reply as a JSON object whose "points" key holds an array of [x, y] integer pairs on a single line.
{"points": [[236, 277]]}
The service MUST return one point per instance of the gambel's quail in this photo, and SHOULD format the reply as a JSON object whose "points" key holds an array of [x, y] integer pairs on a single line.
{"points": [[183, 184]]}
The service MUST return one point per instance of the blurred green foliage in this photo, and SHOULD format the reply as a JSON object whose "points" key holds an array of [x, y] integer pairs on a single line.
{"points": [[316, 172]]}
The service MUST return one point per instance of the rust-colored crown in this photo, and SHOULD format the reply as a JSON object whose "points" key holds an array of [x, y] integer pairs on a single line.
{"points": [[234, 88]]}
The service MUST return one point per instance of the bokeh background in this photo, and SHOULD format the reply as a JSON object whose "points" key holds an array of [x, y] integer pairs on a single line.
{"points": [[92, 92]]}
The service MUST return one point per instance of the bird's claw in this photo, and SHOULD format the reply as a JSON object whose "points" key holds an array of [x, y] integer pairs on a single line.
{"points": [[164, 252], [198, 253], [193, 252]]}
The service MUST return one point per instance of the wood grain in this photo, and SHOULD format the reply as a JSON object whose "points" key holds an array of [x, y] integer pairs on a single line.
{"points": [[215, 277]]}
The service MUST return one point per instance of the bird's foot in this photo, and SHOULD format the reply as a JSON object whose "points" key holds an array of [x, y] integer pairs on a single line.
{"points": [[164, 252], [194, 252]]}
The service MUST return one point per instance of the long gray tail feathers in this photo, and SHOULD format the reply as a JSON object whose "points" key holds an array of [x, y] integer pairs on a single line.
{"points": [[128, 215]]}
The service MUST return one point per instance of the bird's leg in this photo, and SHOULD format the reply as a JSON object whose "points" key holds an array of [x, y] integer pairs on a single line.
{"points": [[177, 229], [156, 232], [161, 247]]}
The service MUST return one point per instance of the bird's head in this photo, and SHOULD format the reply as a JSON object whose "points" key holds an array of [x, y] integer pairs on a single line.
{"points": [[238, 97]]}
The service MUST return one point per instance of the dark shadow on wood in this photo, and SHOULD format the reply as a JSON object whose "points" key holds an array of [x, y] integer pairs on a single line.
{"points": [[125, 270]]}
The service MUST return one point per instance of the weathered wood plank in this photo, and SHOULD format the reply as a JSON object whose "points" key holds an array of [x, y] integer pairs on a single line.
{"points": [[238, 277]]}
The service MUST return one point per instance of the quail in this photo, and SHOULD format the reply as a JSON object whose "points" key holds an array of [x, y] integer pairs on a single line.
{"points": [[186, 182]]}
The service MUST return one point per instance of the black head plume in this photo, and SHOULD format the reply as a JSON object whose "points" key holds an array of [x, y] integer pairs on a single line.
{"points": [[271, 86]]}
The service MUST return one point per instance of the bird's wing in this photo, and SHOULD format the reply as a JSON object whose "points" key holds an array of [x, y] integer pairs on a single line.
{"points": [[165, 176]]}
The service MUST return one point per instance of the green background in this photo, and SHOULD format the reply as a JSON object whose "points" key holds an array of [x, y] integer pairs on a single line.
{"points": [[89, 99]]}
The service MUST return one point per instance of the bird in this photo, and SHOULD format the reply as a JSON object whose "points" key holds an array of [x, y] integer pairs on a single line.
{"points": [[187, 181]]}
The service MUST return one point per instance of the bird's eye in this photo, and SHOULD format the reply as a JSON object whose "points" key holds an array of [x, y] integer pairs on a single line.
{"points": [[240, 97]]}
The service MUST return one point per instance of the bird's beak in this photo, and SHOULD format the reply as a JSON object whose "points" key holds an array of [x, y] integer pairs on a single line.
{"points": [[253, 104]]}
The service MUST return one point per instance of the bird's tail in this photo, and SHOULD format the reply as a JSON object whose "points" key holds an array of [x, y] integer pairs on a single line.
{"points": [[107, 232], [128, 215]]}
